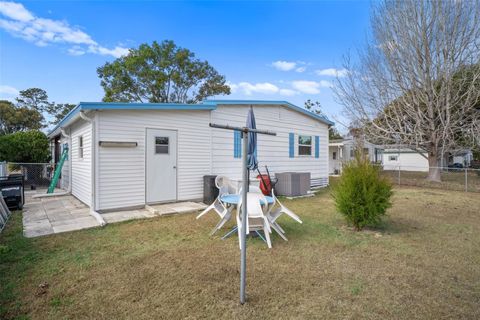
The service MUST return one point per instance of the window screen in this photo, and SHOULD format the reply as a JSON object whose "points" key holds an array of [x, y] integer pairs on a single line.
{"points": [[161, 145]]}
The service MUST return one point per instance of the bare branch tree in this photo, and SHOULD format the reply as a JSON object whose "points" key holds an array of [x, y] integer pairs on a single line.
{"points": [[418, 81]]}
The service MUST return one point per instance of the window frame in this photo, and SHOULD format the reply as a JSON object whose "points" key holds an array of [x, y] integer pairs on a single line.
{"points": [[156, 145], [305, 145], [80, 147], [393, 156]]}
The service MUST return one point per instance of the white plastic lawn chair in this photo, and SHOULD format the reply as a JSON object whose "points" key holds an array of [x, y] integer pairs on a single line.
{"points": [[256, 220], [223, 185], [274, 214]]}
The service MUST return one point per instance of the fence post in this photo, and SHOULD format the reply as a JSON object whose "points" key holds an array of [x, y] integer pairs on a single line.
{"points": [[398, 174], [466, 180]]}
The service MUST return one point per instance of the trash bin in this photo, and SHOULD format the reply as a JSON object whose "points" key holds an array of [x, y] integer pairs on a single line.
{"points": [[12, 189], [210, 191]]}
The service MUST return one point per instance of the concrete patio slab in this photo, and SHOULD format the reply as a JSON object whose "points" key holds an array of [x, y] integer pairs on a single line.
{"points": [[177, 207], [63, 213]]}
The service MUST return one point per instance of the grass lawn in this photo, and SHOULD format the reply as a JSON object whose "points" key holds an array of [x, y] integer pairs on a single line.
{"points": [[423, 263]]}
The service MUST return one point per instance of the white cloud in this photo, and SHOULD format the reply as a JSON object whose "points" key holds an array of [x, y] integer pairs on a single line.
{"points": [[15, 11], [249, 89], [287, 92], [8, 92], [76, 51], [284, 65], [332, 72], [297, 66], [22, 23], [305, 86], [325, 84]]}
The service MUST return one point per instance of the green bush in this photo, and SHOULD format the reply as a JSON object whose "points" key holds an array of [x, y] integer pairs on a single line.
{"points": [[362, 195], [24, 146]]}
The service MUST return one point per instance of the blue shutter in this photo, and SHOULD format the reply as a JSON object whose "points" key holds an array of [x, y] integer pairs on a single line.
{"points": [[237, 144], [291, 144], [317, 146]]}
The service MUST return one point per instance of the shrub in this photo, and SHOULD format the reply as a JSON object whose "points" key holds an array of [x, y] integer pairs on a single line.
{"points": [[24, 146], [362, 195]]}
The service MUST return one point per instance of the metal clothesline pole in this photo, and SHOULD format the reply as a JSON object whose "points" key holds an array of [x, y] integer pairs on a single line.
{"points": [[243, 235]]}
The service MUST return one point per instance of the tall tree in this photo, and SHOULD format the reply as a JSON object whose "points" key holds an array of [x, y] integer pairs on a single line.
{"points": [[59, 110], [34, 98], [411, 84], [14, 118], [161, 72]]}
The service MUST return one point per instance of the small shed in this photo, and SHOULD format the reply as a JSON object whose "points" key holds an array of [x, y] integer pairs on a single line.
{"points": [[127, 155]]}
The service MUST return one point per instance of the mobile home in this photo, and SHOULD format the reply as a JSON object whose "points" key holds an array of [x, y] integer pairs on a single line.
{"points": [[126, 155]]}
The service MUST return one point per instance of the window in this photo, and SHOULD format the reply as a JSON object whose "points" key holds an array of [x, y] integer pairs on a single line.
{"points": [[392, 158], [80, 147], [352, 153], [304, 145], [161, 145], [334, 155]]}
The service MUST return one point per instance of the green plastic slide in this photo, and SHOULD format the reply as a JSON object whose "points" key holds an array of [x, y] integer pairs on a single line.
{"points": [[58, 170]]}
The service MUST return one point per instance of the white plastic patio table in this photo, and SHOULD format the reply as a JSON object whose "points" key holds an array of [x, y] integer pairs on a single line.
{"points": [[233, 199]]}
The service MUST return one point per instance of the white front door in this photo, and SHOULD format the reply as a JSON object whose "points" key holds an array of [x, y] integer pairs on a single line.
{"points": [[161, 163]]}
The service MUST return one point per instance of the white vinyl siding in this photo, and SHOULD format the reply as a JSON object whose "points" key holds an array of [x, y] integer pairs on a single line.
{"points": [[272, 151], [81, 167], [406, 160], [121, 180]]}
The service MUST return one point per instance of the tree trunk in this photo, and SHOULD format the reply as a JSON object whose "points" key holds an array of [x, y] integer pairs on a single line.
{"points": [[433, 169]]}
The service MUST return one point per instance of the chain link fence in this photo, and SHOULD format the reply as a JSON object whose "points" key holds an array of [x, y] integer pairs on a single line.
{"points": [[459, 179], [36, 174]]}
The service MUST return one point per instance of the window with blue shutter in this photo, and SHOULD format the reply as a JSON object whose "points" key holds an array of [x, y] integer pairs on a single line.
{"points": [[291, 144], [317, 146], [237, 144]]}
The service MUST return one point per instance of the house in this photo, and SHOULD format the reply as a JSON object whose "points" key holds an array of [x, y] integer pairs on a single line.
{"points": [[406, 159], [343, 150], [127, 155]]}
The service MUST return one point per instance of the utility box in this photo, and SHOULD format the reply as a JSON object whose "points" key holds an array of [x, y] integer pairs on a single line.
{"points": [[210, 190], [292, 184]]}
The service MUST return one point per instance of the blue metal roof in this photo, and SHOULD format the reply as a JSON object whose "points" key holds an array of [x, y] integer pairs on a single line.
{"points": [[205, 105]]}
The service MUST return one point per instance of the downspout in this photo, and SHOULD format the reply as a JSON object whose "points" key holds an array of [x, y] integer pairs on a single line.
{"points": [[94, 213]]}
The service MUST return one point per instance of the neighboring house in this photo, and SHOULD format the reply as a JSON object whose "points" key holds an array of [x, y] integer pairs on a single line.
{"points": [[125, 155], [410, 160], [404, 158], [343, 150]]}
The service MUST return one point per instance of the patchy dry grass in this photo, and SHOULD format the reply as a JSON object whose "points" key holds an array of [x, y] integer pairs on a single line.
{"points": [[423, 263]]}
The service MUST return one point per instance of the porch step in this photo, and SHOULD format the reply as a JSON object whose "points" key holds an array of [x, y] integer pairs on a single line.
{"points": [[174, 208]]}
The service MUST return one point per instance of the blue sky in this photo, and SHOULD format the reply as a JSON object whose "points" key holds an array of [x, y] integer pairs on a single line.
{"points": [[267, 50]]}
